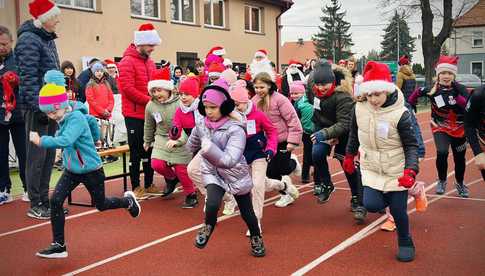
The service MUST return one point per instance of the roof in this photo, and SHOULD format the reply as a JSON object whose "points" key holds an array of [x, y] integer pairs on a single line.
{"points": [[285, 4], [473, 17], [300, 51]]}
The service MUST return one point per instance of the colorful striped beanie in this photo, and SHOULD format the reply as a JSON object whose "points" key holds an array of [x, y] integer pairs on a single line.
{"points": [[53, 96]]}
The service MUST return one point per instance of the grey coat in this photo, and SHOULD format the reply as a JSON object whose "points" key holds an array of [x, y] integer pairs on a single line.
{"points": [[223, 163]]}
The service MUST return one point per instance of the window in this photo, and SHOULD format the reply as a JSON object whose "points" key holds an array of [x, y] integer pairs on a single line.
{"points": [[252, 19], [477, 68], [78, 4], [145, 8], [477, 39], [214, 13], [183, 11]]}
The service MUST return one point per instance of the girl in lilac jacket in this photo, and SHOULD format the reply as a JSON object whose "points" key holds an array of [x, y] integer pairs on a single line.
{"points": [[221, 141]]}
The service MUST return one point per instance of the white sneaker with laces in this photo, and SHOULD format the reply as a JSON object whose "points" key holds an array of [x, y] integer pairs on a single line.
{"points": [[291, 193], [25, 197], [298, 169], [229, 207]]}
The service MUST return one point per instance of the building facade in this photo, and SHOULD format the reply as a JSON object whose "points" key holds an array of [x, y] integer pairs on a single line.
{"points": [[188, 28], [299, 50], [468, 41]]}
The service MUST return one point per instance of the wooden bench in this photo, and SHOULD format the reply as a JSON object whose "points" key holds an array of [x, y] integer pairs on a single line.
{"points": [[117, 151]]}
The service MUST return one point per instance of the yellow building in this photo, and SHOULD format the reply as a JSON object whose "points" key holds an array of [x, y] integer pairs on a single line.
{"points": [[188, 28]]}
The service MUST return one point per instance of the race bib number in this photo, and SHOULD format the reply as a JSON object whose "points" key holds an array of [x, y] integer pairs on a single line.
{"points": [[251, 127], [440, 102], [157, 117], [316, 103], [383, 129]]}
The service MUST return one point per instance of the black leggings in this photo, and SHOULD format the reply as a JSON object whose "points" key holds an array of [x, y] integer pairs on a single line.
{"points": [[458, 147], [281, 164], [307, 156], [138, 154], [94, 183], [214, 198]]}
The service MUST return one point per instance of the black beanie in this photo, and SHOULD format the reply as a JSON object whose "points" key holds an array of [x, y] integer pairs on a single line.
{"points": [[323, 73]]}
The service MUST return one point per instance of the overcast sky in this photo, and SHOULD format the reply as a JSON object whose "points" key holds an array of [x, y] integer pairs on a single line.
{"points": [[359, 12]]}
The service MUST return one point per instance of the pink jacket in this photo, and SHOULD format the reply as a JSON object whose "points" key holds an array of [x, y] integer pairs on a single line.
{"points": [[283, 116], [263, 124]]}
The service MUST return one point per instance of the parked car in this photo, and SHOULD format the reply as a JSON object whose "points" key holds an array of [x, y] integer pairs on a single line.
{"points": [[471, 81]]}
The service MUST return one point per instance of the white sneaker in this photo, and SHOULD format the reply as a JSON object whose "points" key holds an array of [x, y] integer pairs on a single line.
{"points": [[284, 201], [25, 197], [297, 170], [248, 234], [229, 207]]}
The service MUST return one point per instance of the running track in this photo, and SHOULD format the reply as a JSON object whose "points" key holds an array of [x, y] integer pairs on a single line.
{"points": [[305, 238]]}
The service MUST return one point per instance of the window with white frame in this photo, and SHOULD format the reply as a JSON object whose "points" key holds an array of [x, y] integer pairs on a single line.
{"points": [[252, 19], [214, 13], [477, 68], [183, 11], [78, 4], [145, 8], [477, 39]]}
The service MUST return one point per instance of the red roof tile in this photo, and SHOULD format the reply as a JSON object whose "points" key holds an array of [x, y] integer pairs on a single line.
{"points": [[474, 17], [298, 51]]}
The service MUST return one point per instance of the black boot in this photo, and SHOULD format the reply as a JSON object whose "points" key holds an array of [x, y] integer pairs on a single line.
{"points": [[203, 236], [190, 201], [257, 246], [317, 189], [354, 203], [170, 186], [406, 251]]}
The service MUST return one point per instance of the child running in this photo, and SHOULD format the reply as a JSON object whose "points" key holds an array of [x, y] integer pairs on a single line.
{"points": [[169, 157], [221, 141], [76, 136], [381, 131], [475, 126]]}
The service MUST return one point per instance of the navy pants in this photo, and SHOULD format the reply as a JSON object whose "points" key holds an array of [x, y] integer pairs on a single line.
{"points": [[17, 130]]}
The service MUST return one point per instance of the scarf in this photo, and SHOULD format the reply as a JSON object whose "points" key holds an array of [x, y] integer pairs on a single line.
{"points": [[320, 94], [215, 125], [244, 115], [193, 108]]}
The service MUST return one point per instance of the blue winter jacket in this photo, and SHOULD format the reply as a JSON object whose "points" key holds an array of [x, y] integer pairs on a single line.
{"points": [[77, 134], [35, 53], [9, 65]]}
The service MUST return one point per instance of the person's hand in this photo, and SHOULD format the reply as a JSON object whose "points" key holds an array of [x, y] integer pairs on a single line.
{"points": [[171, 144], [480, 161], [318, 137], [348, 164], [106, 114], [269, 155], [34, 138], [174, 133], [407, 179], [332, 142], [147, 146], [290, 147]]}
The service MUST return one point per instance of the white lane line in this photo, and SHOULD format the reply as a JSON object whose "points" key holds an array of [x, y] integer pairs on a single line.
{"points": [[369, 229], [458, 198]]}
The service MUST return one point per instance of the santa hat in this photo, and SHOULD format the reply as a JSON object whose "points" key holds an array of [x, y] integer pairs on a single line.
{"points": [[404, 60], [227, 62], [295, 62], [215, 69], [161, 78], [377, 77], [342, 62], [53, 96], [217, 50], [261, 53], [42, 11], [190, 86], [448, 64], [146, 35], [110, 63]]}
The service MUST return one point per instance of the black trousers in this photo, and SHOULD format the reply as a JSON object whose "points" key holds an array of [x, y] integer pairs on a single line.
{"points": [[94, 183], [17, 130], [307, 156], [213, 203], [281, 164], [138, 154], [458, 147]]}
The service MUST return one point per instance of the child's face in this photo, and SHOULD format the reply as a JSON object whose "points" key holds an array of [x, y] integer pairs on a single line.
{"points": [[295, 96], [68, 71], [186, 99], [377, 99], [446, 78], [57, 115], [200, 69], [261, 88], [212, 111], [111, 71], [178, 73], [350, 65], [98, 74], [160, 94], [241, 107]]}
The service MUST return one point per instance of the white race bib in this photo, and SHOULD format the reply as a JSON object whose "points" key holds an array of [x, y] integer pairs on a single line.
{"points": [[382, 129], [157, 117], [251, 127], [440, 102], [316, 103]]}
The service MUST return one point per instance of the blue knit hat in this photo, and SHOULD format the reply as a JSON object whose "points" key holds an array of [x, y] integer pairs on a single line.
{"points": [[98, 66]]}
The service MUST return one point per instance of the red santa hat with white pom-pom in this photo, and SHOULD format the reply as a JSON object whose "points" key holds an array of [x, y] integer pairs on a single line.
{"points": [[261, 53], [42, 11], [161, 79], [447, 64], [147, 35], [377, 78]]}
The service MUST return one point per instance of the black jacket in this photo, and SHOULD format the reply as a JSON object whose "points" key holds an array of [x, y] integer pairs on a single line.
{"points": [[9, 65], [475, 119]]}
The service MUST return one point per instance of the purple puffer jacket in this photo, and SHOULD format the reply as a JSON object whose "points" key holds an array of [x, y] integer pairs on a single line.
{"points": [[224, 163]]}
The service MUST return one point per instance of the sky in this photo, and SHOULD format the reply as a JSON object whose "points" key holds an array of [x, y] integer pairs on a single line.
{"points": [[359, 12]]}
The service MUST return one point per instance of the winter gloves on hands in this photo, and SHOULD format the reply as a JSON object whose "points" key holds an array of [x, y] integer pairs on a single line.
{"points": [[408, 178], [348, 164]]}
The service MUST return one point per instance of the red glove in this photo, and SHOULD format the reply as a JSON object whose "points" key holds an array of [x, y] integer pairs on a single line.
{"points": [[408, 178], [348, 164]]}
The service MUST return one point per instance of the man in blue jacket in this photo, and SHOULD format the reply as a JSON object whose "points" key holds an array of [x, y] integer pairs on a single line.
{"points": [[36, 53]]}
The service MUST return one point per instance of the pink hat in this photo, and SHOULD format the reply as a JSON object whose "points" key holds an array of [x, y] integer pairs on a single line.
{"points": [[297, 87], [213, 96], [240, 94]]}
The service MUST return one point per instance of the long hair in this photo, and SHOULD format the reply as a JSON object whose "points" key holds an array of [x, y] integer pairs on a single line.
{"points": [[264, 77]]}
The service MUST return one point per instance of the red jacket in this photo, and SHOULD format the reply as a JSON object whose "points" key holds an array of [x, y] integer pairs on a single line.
{"points": [[100, 98], [135, 72]]}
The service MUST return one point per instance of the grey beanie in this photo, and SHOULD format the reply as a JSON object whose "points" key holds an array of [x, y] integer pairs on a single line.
{"points": [[323, 73]]}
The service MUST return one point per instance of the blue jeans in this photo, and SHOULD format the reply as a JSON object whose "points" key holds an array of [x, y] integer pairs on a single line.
{"points": [[375, 201]]}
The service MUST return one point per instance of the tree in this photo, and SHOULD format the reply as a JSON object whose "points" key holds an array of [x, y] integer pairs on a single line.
{"points": [[418, 69], [333, 40], [397, 29], [373, 55], [430, 42]]}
